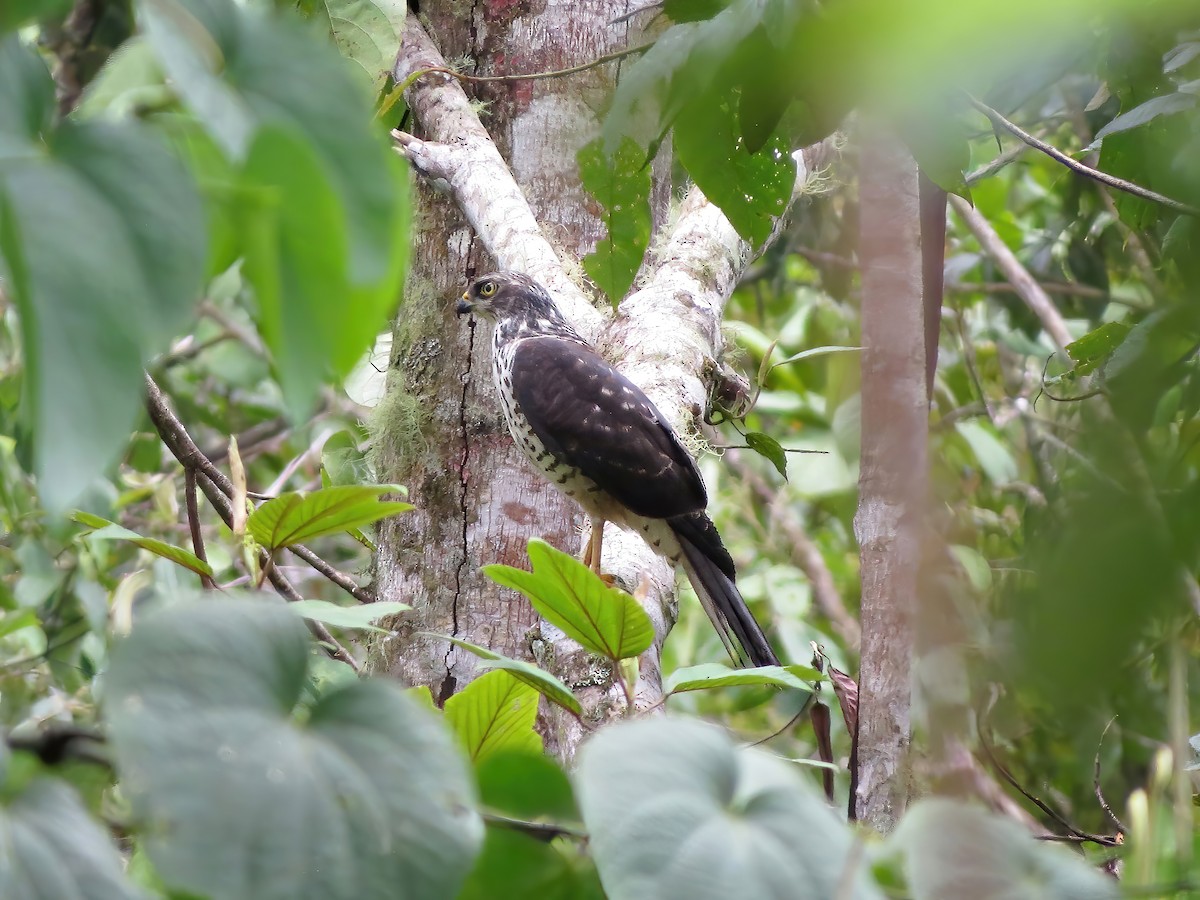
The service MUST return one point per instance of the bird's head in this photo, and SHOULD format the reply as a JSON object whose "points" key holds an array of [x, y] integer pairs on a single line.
{"points": [[506, 296]]}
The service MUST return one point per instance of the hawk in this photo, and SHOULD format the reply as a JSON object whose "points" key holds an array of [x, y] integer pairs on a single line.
{"points": [[599, 440]]}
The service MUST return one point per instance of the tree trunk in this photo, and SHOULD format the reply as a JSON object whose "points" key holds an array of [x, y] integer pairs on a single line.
{"points": [[892, 484], [439, 430]]}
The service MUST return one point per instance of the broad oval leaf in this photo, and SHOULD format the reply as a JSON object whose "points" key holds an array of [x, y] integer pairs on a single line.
{"points": [[569, 595], [238, 799], [53, 848], [495, 712], [91, 318], [360, 616], [538, 679], [952, 850], [294, 518], [111, 531], [714, 675], [676, 812]]}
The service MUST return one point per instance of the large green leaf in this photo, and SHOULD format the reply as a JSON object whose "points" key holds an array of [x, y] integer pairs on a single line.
{"points": [[752, 189], [495, 712], [294, 518], [676, 812], [324, 229], [538, 679], [238, 799], [954, 850], [53, 848], [90, 318], [620, 181], [569, 595]]}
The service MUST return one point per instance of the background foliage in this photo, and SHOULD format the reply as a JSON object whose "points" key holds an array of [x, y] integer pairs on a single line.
{"points": [[199, 188]]}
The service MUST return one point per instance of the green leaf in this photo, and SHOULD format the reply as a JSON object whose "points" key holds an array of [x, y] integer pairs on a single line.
{"points": [[53, 848], [693, 10], [1093, 349], [294, 518], [951, 849], [130, 81], [238, 799], [620, 181], [683, 63], [111, 531], [15, 13], [367, 32], [569, 595], [325, 216], [527, 673], [676, 812], [131, 214], [1166, 105], [714, 675], [529, 788], [342, 461], [994, 457], [751, 189], [495, 712], [765, 445], [357, 617]]}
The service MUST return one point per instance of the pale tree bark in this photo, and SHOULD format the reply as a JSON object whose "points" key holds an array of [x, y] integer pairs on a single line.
{"points": [[506, 196], [889, 522]]}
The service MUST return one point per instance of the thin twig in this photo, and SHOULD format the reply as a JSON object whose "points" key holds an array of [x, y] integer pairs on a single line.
{"points": [[530, 76], [1024, 284], [1079, 168], [805, 554], [1081, 836], [1096, 780], [218, 488], [214, 483], [193, 516]]}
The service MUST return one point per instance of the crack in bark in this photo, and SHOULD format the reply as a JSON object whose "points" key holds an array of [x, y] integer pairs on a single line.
{"points": [[462, 483]]}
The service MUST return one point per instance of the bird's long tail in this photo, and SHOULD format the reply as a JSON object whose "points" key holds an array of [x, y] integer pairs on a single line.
{"points": [[710, 569]]}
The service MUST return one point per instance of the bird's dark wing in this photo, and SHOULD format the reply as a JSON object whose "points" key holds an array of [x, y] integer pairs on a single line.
{"points": [[592, 417]]}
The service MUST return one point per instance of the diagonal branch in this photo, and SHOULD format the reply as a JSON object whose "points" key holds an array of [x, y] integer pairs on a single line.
{"points": [[1120, 184], [218, 489]]}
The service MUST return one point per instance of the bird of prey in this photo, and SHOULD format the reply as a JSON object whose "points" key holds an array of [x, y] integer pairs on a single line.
{"points": [[599, 440]]}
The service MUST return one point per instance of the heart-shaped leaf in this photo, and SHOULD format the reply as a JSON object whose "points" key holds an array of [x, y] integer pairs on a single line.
{"points": [[237, 799], [954, 850], [676, 812], [53, 848]]}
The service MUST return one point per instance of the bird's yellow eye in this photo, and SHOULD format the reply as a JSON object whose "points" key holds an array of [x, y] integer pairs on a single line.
{"points": [[487, 289]]}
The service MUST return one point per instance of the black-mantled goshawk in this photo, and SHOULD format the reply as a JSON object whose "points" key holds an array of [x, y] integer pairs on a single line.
{"points": [[599, 439]]}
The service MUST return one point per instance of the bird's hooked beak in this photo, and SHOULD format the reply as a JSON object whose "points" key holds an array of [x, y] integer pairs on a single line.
{"points": [[464, 305]]}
